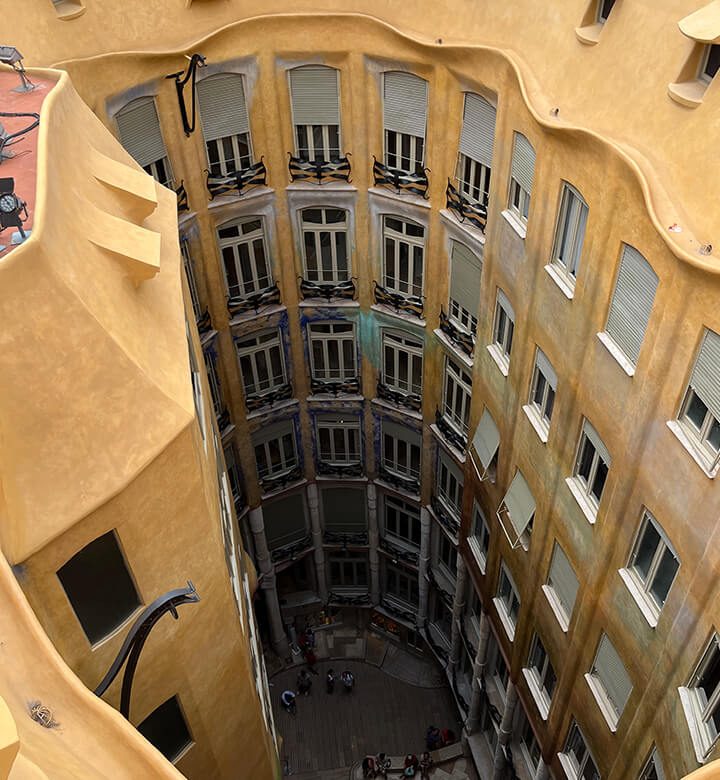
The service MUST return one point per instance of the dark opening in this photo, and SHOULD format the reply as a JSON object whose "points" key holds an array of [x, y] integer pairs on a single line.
{"points": [[165, 728]]}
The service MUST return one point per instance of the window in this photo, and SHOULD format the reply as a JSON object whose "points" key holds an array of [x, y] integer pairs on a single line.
{"points": [[338, 440], [485, 445], [652, 567], [465, 273], [402, 363], [404, 118], [701, 701], [700, 412], [167, 730], [275, 449], [190, 274], [325, 244], [479, 538], [447, 556], [449, 484], [196, 380], [562, 587], [285, 521], [261, 362], [542, 395], [332, 351], [234, 476], [540, 676], [521, 177], [631, 304], [225, 123], [457, 393], [507, 602], [476, 149], [528, 743], [210, 357], [441, 617], [99, 587], [503, 329], [349, 572], [404, 249], [315, 101], [139, 131], [518, 506], [499, 672], [402, 520], [245, 257], [653, 769], [402, 584], [570, 232], [609, 682], [591, 470], [344, 510], [576, 759], [710, 63], [401, 450], [604, 8]]}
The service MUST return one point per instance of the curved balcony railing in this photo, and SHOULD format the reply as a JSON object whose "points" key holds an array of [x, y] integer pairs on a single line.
{"points": [[410, 400], [328, 291], [346, 538], [397, 612], [411, 484], [241, 305], [278, 481], [319, 171], [339, 470], [291, 551], [444, 517], [254, 402], [345, 387], [458, 337], [409, 304], [237, 182], [437, 648], [182, 198], [399, 553], [461, 700], [401, 181], [204, 323], [349, 599], [455, 438], [465, 209]]}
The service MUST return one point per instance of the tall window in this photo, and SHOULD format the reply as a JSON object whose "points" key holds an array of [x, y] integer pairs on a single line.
{"points": [[189, 268], [604, 8], [540, 676], [542, 394], [521, 177], [653, 769], [402, 583], [457, 393], [503, 331], [528, 743], [449, 484], [710, 63], [314, 92], [591, 469], [338, 440], [576, 758], [225, 123], [447, 556], [245, 257], [404, 117], [404, 249], [325, 244], [261, 362], [507, 601], [349, 572], [332, 351], [570, 232], [561, 587], [465, 273], [476, 148], [402, 363], [701, 700], [402, 520], [275, 451], [401, 450], [165, 728], [479, 538], [609, 682], [214, 381], [139, 131]]}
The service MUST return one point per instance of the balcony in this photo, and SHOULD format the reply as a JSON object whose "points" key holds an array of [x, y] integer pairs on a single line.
{"points": [[237, 182], [410, 484], [398, 553], [346, 539], [243, 304], [465, 209], [350, 599], [223, 420], [410, 400], [290, 552], [445, 597], [460, 338], [204, 324], [319, 171], [406, 304], [339, 470], [401, 181], [339, 387], [255, 402], [455, 438], [331, 291], [444, 517], [182, 198], [272, 482], [394, 609]]}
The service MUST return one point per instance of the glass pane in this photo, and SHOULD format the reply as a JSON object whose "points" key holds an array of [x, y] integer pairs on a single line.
{"points": [[539, 389], [600, 477], [696, 410], [646, 551], [664, 577], [310, 255], [587, 453]]}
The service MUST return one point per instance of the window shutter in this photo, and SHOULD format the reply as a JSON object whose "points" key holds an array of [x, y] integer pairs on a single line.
{"points": [[523, 162], [275, 431], [139, 130], [502, 299], [705, 380], [594, 437], [562, 579], [405, 103], [478, 130], [221, 100], [314, 93], [284, 520], [401, 432], [486, 439], [466, 270], [613, 675], [631, 302], [520, 503], [546, 367], [451, 467]]}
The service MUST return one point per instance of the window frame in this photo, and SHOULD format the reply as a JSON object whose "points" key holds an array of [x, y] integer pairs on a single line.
{"points": [[700, 436], [584, 486], [479, 543], [400, 147], [575, 226], [703, 75], [406, 576], [536, 411], [537, 677], [350, 450], [457, 391], [399, 344], [335, 274], [338, 334], [574, 769], [410, 512], [451, 498], [354, 561], [602, 17], [478, 180], [252, 241], [399, 239], [699, 707], [392, 464], [273, 341], [519, 201], [507, 601], [287, 463]]}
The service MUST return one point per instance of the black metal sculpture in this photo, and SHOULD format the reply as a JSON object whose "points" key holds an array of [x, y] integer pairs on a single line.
{"points": [[135, 640], [196, 61]]}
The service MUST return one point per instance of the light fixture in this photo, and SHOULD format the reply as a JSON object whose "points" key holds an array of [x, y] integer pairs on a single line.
{"points": [[11, 56], [11, 210]]}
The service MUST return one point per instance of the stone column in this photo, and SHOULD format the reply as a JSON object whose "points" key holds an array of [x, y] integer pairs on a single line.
{"points": [[423, 587], [373, 540], [269, 584], [457, 611], [478, 671], [505, 732], [542, 772], [319, 553]]}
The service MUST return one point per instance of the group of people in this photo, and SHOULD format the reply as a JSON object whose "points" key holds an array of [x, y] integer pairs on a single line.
{"points": [[436, 738], [304, 686], [379, 765]]}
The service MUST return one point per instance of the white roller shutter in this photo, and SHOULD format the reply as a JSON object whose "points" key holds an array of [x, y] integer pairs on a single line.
{"points": [[523, 162], [465, 273], [612, 673], [562, 580], [478, 130], [401, 432], [631, 302], [486, 439], [597, 442], [503, 300], [520, 503], [275, 431], [314, 93], [405, 103], [139, 131], [223, 111], [546, 368], [705, 380]]}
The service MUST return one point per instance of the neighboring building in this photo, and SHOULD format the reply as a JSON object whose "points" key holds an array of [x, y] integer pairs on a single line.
{"points": [[457, 298]]}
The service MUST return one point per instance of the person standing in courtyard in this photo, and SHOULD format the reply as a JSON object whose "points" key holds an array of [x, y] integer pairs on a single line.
{"points": [[426, 763], [304, 683], [330, 681]]}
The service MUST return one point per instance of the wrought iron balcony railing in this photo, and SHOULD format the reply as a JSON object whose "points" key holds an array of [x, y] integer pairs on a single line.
{"points": [[319, 171], [438, 649], [204, 323], [401, 181], [465, 209], [399, 553], [349, 599], [279, 481], [447, 598], [291, 551], [329, 290], [237, 182], [346, 539], [456, 439], [398, 612], [459, 337], [411, 484], [346, 386], [223, 420], [241, 305], [182, 198], [339, 470], [410, 400], [444, 517], [254, 402], [409, 304]]}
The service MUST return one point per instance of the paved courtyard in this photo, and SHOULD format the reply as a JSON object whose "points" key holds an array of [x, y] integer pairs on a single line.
{"points": [[383, 713]]}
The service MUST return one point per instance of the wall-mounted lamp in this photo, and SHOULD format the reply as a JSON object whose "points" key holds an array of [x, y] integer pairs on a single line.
{"points": [[9, 55], [181, 79]]}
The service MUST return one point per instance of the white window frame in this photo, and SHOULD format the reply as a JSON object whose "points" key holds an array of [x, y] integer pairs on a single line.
{"points": [[264, 343], [569, 232], [189, 267], [581, 486], [653, 763], [457, 392], [325, 148], [354, 562], [537, 677], [402, 344], [315, 231], [479, 537], [574, 768], [700, 436], [519, 201], [507, 601], [447, 556], [473, 179], [344, 440], [503, 332], [563, 612], [543, 391], [339, 334], [410, 148], [251, 241], [399, 239], [703, 76], [391, 460], [699, 707], [449, 488], [229, 154], [610, 710], [532, 753], [410, 512], [288, 460], [214, 384]]}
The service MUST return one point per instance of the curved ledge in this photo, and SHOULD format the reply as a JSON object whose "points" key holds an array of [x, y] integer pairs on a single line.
{"points": [[69, 9], [590, 34], [649, 183], [687, 93], [703, 25]]}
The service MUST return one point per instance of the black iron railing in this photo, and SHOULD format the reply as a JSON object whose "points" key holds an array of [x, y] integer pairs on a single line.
{"points": [[347, 599], [182, 198], [291, 551], [459, 337], [399, 613], [409, 304], [346, 538], [410, 400], [282, 393], [399, 553], [242, 304], [411, 484], [401, 181], [465, 209], [204, 323], [346, 386], [223, 420], [456, 439], [329, 291], [444, 517], [237, 182], [319, 171], [339, 470], [279, 481]]}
